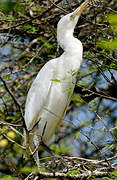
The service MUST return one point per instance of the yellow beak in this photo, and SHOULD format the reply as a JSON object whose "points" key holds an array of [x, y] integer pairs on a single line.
{"points": [[79, 10]]}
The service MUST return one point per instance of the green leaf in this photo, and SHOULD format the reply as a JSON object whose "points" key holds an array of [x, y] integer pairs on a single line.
{"points": [[29, 28], [114, 173], [77, 171], [56, 80], [74, 73], [41, 39], [20, 8], [8, 177], [106, 178], [76, 135], [49, 46], [108, 44], [59, 150], [32, 169], [80, 100], [69, 90], [17, 149], [114, 133], [112, 18], [75, 99], [10, 118], [8, 5], [26, 27], [112, 65]]}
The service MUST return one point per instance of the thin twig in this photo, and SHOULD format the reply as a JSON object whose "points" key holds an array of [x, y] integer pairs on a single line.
{"points": [[58, 6], [32, 18], [14, 99], [11, 140]]}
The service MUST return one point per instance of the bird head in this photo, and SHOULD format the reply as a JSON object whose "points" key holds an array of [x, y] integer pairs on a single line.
{"points": [[67, 23]]}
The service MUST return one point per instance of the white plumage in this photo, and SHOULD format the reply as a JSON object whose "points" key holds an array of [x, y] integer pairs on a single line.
{"points": [[50, 93]]}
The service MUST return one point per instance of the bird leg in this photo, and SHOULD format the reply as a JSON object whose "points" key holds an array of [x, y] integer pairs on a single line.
{"points": [[35, 152], [29, 152], [38, 141], [26, 143], [43, 144]]}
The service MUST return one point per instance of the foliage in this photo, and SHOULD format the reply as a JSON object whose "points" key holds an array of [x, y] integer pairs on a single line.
{"points": [[112, 43], [27, 42]]}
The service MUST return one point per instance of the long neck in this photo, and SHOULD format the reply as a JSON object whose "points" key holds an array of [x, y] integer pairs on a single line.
{"points": [[69, 43]]}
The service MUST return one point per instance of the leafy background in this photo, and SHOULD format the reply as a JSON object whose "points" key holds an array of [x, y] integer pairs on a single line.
{"points": [[27, 42]]}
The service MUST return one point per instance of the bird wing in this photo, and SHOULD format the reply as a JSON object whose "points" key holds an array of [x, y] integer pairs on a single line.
{"points": [[38, 93]]}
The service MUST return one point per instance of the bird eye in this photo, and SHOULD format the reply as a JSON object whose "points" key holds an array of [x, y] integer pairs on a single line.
{"points": [[72, 17]]}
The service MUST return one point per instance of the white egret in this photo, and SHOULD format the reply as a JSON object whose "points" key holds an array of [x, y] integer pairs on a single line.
{"points": [[51, 91]]}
